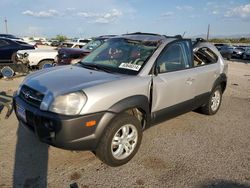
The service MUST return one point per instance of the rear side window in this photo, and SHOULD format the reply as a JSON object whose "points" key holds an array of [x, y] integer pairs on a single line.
{"points": [[3, 43], [204, 56]]}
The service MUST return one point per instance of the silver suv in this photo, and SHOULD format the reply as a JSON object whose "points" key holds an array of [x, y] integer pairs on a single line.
{"points": [[128, 84]]}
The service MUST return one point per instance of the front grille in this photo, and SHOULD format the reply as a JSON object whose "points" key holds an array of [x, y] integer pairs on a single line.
{"points": [[31, 96]]}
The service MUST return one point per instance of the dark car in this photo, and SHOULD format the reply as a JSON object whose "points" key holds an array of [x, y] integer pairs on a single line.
{"points": [[72, 55], [238, 52], [55, 43], [219, 46], [246, 54], [9, 36], [8, 49], [227, 51]]}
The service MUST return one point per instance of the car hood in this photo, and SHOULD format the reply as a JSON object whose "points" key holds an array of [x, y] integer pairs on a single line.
{"points": [[37, 51], [65, 79]]}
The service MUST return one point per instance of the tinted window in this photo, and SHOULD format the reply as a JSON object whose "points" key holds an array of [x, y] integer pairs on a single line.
{"points": [[3, 43], [174, 57], [204, 56], [85, 41]]}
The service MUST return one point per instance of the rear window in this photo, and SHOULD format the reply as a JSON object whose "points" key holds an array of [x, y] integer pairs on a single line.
{"points": [[204, 56]]}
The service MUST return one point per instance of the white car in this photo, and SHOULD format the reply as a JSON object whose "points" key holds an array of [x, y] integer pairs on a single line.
{"points": [[38, 58]]}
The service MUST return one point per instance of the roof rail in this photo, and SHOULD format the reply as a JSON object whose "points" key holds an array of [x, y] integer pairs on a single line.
{"points": [[140, 33], [175, 36], [198, 40]]}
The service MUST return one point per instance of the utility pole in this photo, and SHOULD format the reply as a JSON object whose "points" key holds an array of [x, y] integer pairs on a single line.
{"points": [[208, 30], [6, 25]]}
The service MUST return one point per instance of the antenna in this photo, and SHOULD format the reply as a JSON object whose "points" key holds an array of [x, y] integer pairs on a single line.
{"points": [[184, 34], [208, 30], [6, 25]]}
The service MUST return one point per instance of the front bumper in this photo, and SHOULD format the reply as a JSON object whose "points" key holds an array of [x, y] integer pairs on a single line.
{"points": [[66, 132]]}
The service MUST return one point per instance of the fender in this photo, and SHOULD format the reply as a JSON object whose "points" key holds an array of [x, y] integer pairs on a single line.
{"points": [[137, 101], [221, 80]]}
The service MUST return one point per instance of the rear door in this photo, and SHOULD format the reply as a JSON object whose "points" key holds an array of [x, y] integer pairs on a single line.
{"points": [[173, 86], [206, 69]]}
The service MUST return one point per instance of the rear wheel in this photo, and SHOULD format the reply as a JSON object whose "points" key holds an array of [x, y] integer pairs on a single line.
{"points": [[45, 64], [214, 102], [120, 141], [14, 57]]}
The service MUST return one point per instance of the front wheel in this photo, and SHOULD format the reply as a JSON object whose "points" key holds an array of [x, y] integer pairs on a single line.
{"points": [[45, 64], [120, 141], [214, 102]]}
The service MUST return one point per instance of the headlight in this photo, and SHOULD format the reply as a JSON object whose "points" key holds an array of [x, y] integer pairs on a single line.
{"points": [[69, 104]]}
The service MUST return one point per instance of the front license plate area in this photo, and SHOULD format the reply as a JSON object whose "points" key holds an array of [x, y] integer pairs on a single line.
{"points": [[21, 112]]}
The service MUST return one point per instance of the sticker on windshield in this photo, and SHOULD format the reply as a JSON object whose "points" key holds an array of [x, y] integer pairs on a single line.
{"points": [[130, 66]]}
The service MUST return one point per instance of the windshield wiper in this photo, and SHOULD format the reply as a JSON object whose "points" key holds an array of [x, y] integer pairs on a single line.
{"points": [[95, 67]]}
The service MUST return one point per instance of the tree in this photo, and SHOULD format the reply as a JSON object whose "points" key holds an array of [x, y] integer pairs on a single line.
{"points": [[61, 38]]}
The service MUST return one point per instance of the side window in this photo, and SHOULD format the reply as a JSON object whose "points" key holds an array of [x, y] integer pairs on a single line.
{"points": [[3, 43], [175, 57], [204, 56]]}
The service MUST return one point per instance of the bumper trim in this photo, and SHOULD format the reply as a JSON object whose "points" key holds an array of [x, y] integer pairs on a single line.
{"points": [[66, 132]]}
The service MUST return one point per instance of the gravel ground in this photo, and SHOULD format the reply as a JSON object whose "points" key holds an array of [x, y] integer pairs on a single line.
{"points": [[192, 150]]}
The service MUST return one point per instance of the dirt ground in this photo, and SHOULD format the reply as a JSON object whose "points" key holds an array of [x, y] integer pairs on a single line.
{"points": [[192, 150]]}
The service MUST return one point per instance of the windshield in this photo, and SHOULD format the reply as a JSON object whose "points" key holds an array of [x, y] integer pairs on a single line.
{"points": [[122, 55], [93, 45]]}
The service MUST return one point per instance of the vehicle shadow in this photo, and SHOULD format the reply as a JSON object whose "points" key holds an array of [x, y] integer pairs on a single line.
{"points": [[4, 99], [224, 184], [31, 160]]}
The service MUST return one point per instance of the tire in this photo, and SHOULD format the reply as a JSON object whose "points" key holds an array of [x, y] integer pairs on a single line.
{"points": [[214, 102], [43, 63], [229, 57], [14, 57], [7, 72], [118, 151]]}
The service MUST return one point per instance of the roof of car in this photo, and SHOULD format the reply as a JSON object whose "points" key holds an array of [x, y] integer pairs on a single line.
{"points": [[104, 37], [148, 37]]}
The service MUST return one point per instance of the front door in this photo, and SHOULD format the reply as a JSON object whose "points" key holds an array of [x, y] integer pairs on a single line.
{"points": [[173, 86]]}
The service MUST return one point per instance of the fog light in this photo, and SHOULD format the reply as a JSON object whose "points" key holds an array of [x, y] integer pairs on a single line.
{"points": [[49, 125]]}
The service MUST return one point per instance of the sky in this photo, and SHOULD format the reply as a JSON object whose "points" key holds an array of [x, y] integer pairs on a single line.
{"points": [[88, 18]]}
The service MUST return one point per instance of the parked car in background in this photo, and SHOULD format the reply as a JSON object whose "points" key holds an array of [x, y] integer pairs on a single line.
{"points": [[131, 82], [55, 43], [219, 45], [72, 45], [71, 56], [38, 58], [47, 42], [8, 63], [227, 51], [238, 52], [8, 49], [246, 54], [81, 40], [9, 36]]}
